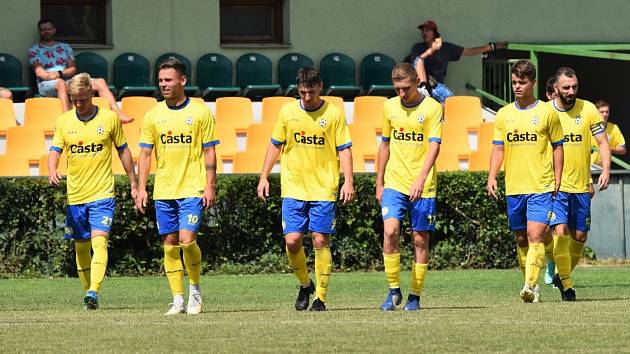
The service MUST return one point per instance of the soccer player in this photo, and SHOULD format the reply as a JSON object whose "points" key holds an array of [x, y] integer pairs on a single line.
{"points": [[89, 134], [406, 179], [571, 216], [615, 138], [550, 93], [528, 135], [313, 138], [183, 134]]}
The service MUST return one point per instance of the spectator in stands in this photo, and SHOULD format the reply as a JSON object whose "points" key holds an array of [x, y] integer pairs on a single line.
{"points": [[615, 138], [431, 56], [5, 93], [53, 63]]}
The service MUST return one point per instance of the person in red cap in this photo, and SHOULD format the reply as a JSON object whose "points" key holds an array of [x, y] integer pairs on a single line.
{"points": [[431, 57]]}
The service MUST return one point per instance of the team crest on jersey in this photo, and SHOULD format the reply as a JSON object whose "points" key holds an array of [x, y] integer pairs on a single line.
{"points": [[322, 122], [100, 130], [535, 120], [189, 120], [384, 211], [421, 118], [587, 222], [578, 120], [551, 216]]}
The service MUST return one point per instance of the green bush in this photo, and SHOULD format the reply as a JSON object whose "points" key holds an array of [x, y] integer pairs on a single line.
{"points": [[241, 234]]}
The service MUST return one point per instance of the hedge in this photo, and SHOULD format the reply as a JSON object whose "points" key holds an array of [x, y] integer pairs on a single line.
{"points": [[243, 235]]}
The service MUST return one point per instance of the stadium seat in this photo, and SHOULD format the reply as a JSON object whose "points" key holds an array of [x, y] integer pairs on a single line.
{"points": [[253, 76], [337, 101], [190, 89], [227, 137], [454, 150], [248, 162], [14, 166], [26, 142], [101, 102], [364, 140], [376, 75], [131, 75], [236, 112], [338, 75], [463, 110], [363, 163], [42, 112], [258, 137], [136, 107], [271, 107], [480, 159], [62, 168], [93, 64], [368, 110], [7, 115], [214, 77], [288, 66], [11, 76]]}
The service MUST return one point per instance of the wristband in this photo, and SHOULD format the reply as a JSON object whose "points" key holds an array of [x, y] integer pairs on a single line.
{"points": [[493, 46]]}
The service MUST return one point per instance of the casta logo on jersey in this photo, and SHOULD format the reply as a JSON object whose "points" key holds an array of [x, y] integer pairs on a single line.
{"points": [[401, 134], [81, 148], [302, 138], [169, 138], [572, 138], [515, 136]]}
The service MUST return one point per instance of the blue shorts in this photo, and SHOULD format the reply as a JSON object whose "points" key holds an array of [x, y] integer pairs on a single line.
{"points": [[173, 215], [82, 219], [395, 205], [441, 92], [573, 209], [522, 208], [302, 216]]}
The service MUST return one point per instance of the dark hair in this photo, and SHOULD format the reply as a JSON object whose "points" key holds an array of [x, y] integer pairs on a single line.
{"points": [[404, 70], [524, 69], [549, 87], [566, 71], [308, 76], [601, 103], [45, 20], [173, 63]]}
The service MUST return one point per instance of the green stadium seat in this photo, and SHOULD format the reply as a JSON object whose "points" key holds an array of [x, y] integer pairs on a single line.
{"points": [[93, 64], [288, 66], [190, 89], [338, 74], [11, 77], [376, 75], [253, 76], [214, 77], [131, 75]]}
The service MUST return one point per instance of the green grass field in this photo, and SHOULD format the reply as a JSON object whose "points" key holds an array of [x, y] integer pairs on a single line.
{"points": [[463, 311]]}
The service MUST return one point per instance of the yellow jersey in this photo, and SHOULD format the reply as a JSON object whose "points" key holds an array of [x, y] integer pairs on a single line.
{"points": [[528, 137], [179, 135], [409, 130], [578, 125], [309, 165], [89, 145], [615, 139]]}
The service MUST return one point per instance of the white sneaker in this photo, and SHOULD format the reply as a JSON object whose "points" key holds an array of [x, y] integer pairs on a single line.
{"points": [[194, 303], [175, 309], [536, 294], [527, 294]]}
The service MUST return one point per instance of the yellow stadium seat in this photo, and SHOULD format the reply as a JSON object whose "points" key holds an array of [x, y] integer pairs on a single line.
{"points": [[234, 111], [480, 159], [227, 140], [463, 110], [454, 150], [258, 137], [42, 112], [101, 102], [368, 110], [363, 163], [271, 107], [25, 141], [62, 168], [11, 165], [248, 162], [337, 101], [136, 107], [7, 114], [448, 161], [198, 99], [132, 134], [363, 139]]}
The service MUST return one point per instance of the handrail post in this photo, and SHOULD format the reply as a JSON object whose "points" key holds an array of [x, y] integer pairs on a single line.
{"points": [[534, 59]]}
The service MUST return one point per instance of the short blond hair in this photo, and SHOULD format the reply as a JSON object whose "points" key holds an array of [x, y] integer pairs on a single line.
{"points": [[404, 70], [79, 83]]}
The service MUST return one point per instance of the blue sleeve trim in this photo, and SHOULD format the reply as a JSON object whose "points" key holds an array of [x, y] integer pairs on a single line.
{"points": [[55, 148], [210, 143], [497, 142], [122, 147], [560, 142], [385, 138], [145, 145], [276, 142], [437, 140], [344, 146]]}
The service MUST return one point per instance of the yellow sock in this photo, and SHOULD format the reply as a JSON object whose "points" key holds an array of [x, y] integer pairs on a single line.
{"points": [[418, 273], [192, 260], [575, 248], [563, 259], [549, 250], [323, 268], [174, 269], [297, 262], [521, 255], [84, 262], [535, 261], [99, 262], [392, 269]]}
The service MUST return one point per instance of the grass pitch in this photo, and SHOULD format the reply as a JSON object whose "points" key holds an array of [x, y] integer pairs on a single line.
{"points": [[463, 311]]}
